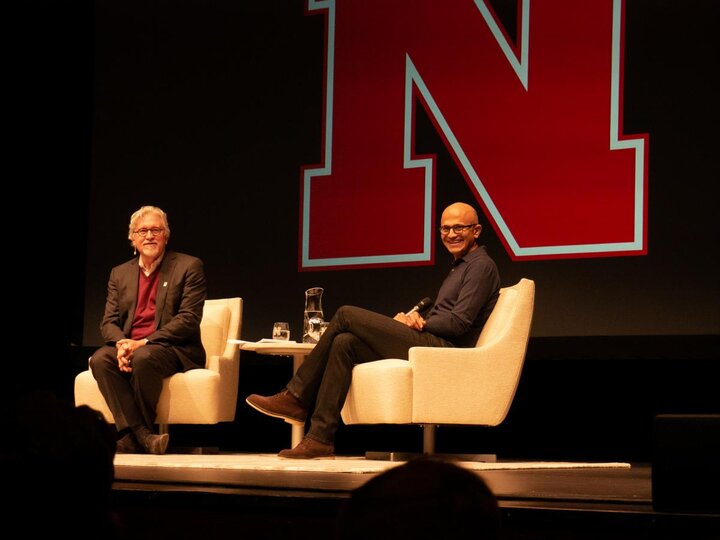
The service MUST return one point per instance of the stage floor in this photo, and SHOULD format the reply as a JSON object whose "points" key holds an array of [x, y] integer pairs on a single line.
{"points": [[266, 503]]}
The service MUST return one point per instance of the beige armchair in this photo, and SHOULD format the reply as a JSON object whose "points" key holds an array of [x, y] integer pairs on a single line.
{"points": [[464, 386], [198, 396]]}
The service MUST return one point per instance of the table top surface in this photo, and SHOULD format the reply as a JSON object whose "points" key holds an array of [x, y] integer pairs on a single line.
{"points": [[274, 347]]}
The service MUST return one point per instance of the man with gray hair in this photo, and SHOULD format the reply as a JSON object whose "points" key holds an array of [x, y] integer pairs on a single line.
{"points": [[151, 329]]}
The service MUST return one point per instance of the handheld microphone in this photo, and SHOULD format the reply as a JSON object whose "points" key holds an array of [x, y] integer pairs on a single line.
{"points": [[422, 304]]}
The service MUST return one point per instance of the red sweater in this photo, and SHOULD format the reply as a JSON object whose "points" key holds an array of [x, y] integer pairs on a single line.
{"points": [[144, 322]]}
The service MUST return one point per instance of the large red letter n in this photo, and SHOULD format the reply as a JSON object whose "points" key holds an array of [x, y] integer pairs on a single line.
{"points": [[535, 126]]}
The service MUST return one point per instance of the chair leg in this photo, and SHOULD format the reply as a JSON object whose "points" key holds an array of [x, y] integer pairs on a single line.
{"points": [[429, 439], [429, 450]]}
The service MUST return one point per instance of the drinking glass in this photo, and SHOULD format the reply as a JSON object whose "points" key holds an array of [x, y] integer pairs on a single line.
{"points": [[281, 330]]}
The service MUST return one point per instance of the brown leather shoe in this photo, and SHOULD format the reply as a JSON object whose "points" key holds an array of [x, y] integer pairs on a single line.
{"points": [[309, 449], [282, 405]]}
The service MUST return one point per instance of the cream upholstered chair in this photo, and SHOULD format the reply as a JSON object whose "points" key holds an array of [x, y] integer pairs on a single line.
{"points": [[463, 386], [198, 396]]}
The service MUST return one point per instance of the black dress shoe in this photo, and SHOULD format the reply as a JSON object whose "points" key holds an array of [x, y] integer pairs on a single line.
{"points": [[151, 443], [156, 444], [129, 445]]}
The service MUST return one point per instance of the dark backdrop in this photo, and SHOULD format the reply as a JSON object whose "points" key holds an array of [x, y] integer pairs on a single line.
{"points": [[209, 110], [185, 105]]}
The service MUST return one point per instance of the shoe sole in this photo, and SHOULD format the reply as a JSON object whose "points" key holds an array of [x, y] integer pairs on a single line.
{"points": [[289, 420]]}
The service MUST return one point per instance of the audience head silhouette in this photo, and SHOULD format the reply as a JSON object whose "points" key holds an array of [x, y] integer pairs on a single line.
{"points": [[423, 499], [60, 463]]}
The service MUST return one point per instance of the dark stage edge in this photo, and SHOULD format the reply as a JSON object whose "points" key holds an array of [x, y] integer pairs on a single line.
{"points": [[535, 504]]}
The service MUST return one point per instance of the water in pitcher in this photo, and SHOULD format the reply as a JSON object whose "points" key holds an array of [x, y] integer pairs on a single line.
{"points": [[313, 315]]}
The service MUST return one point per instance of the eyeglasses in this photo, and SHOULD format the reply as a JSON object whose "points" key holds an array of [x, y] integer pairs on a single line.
{"points": [[457, 229], [156, 231]]}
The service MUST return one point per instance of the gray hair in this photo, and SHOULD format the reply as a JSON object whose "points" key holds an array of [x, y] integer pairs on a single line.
{"points": [[139, 214]]}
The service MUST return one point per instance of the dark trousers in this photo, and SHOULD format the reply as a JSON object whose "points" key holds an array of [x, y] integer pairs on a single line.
{"points": [[354, 336], [132, 397]]}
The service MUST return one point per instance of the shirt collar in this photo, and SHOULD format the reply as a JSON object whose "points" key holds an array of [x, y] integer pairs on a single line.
{"points": [[469, 256], [150, 269]]}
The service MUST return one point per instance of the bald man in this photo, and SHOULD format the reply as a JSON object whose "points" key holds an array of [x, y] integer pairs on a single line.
{"points": [[464, 302]]}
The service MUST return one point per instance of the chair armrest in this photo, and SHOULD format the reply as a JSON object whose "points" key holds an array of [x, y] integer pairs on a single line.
{"points": [[222, 364], [464, 385], [229, 372]]}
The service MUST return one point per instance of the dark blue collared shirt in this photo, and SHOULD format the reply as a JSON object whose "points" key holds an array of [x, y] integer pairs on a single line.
{"points": [[465, 299]]}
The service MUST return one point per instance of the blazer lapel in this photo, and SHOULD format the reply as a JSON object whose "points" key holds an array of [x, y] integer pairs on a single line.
{"points": [[166, 269], [132, 292]]}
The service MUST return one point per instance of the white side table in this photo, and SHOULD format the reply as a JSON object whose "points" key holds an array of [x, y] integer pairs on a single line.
{"points": [[298, 351]]}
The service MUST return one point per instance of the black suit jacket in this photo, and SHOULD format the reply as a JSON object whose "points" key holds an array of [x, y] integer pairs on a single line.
{"points": [[179, 305]]}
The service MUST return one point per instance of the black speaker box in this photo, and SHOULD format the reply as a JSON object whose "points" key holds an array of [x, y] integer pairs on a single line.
{"points": [[685, 464]]}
